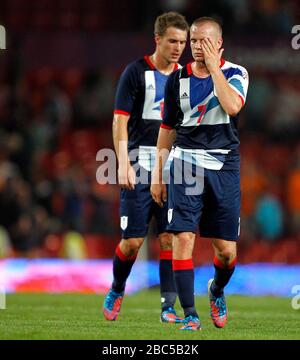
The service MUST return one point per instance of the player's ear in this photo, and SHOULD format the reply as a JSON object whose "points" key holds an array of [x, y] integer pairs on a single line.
{"points": [[220, 43], [157, 39]]}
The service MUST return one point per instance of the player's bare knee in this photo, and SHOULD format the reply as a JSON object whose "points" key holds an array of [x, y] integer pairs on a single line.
{"points": [[226, 255], [165, 240], [131, 246], [185, 237], [183, 244]]}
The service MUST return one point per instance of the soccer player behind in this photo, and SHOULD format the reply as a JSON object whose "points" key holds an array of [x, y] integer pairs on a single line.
{"points": [[137, 117], [202, 102]]}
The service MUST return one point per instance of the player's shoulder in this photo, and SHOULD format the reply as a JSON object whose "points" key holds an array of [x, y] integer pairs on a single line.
{"points": [[234, 68], [135, 66], [139, 66]]}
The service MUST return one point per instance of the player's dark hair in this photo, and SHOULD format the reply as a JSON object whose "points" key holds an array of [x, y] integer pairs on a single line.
{"points": [[166, 20], [208, 19]]}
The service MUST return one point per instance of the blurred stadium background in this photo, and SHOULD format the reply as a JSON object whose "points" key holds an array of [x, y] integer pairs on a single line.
{"points": [[57, 83]]}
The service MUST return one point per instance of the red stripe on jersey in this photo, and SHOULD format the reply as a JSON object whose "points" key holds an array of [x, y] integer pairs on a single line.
{"points": [[175, 67], [182, 264], [121, 112], [165, 255], [164, 126], [149, 62]]}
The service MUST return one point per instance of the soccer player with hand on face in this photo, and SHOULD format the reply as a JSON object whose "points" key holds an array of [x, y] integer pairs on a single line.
{"points": [[202, 102]]}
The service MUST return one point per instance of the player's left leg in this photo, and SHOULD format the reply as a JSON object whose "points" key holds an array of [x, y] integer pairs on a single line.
{"points": [[167, 283], [224, 263]]}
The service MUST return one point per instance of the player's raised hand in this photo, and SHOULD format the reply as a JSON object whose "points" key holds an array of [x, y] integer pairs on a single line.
{"points": [[212, 55], [126, 177]]}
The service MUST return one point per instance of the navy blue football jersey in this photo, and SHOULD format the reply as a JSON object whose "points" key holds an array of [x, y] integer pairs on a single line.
{"points": [[140, 94], [206, 135]]}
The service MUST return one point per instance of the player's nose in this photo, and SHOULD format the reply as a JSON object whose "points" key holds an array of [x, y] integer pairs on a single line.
{"points": [[177, 46], [198, 45]]}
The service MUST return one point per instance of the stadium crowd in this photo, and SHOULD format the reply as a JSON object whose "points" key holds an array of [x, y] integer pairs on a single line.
{"points": [[54, 120]]}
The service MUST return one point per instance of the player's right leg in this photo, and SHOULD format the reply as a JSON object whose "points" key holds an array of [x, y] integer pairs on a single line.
{"points": [[134, 210], [168, 291], [124, 258], [183, 268], [183, 217]]}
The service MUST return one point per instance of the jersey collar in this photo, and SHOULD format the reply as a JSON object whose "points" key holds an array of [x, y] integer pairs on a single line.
{"points": [[152, 66], [149, 62]]}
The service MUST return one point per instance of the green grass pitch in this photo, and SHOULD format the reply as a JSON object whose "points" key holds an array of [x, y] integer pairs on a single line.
{"points": [[74, 316]]}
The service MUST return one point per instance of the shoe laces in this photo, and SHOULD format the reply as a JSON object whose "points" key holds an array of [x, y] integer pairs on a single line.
{"points": [[221, 305], [111, 298], [191, 318]]}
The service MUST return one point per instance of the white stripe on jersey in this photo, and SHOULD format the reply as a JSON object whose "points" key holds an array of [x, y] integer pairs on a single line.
{"points": [[150, 93], [147, 156], [184, 96], [215, 116], [150, 104], [200, 157]]}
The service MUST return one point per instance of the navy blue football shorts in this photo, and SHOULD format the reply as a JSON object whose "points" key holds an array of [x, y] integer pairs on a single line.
{"points": [[204, 199], [136, 210]]}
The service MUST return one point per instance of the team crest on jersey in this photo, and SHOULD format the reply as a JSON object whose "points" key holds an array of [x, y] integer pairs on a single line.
{"points": [[170, 215], [124, 222]]}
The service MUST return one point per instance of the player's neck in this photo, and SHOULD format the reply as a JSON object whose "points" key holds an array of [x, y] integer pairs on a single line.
{"points": [[161, 64], [199, 69]]}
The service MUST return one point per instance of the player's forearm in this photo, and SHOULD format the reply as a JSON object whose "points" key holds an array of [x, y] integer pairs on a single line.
{"points": [[165, 141], [228, 98], [120, 138]]}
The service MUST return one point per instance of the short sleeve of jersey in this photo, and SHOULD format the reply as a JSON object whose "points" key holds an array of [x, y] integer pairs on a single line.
{"points": [[170, 102], [126, 90], [239, 81]]}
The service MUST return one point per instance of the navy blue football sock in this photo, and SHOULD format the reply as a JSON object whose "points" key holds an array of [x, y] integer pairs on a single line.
{"points": [[184, 279], [121, 269], [167, 282], [222, 276]]}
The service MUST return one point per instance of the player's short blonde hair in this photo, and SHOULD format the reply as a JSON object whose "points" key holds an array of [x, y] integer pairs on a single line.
{"points": [[170, 19], [207, 19]]}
